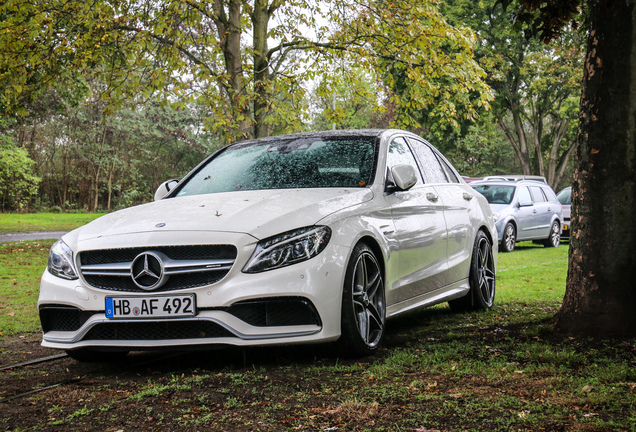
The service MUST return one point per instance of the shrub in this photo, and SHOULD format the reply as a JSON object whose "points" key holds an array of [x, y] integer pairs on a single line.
{"points": [[17, 183]]}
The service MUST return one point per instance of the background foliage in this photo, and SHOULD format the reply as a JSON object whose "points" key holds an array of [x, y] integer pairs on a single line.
{"points": [[110, 97]]}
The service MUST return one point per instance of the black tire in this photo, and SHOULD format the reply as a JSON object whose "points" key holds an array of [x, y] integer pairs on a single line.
{"points": [[554, 239], [481, 278], [509, 238], [363, 314], [86, 355]]}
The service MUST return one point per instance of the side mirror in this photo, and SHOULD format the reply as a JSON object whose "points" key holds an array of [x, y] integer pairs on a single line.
{"points": [[404, 176], [164, 188], [525, 203]]}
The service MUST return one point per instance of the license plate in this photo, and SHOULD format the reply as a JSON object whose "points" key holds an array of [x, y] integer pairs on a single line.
{"points": [[151, 307]]}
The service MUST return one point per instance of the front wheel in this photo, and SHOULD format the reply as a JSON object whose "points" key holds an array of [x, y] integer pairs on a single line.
{"points": [[554, 239], [363, 304], [481, 278], [509, 238]]}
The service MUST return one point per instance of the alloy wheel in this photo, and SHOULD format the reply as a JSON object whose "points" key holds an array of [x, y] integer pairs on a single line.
{"points": [[368, 299], [486, 272]]}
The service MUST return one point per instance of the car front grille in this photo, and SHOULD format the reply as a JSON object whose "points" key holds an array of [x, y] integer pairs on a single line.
{"points": [[184, 266]]}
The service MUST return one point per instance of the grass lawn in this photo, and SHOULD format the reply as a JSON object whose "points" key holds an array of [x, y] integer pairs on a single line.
{"points": [[32, 222], [500, 370], [21, 266]]}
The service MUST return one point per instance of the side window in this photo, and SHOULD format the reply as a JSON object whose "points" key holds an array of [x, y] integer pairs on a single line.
{"points": [[523, 195], [428, 161], [400, 154], [549, 193], [452, 178], [537, 194]]}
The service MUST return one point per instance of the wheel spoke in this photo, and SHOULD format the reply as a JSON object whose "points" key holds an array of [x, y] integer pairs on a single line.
{"points": [[363, 322], [373, 284], [375, 316], [360, 277]]}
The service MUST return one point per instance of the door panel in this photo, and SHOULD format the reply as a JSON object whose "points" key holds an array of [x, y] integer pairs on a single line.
{"points": [[544, 213], [421, 233], [460, 213], [527, 216], [420, 230]]}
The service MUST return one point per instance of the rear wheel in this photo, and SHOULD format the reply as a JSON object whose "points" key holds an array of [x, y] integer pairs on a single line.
{"points": [[481, 278], [363, 304], [509, 238], [554, 239]]}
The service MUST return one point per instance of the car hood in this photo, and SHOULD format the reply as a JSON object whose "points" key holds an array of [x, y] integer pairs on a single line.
{"points": [[259, 213]]}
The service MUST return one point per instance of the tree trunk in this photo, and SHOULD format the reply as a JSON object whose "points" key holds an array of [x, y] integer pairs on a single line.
{"points": [[556, 163], [229, 32], [260, 23], [600, 298], [110, 186], [521, 150], [96, 198]]}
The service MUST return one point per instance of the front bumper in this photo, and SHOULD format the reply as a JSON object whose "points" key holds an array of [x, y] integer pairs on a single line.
{"points": [[565, 229], [296, 304]]}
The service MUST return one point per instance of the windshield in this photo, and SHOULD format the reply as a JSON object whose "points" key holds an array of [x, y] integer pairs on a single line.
{"points": [[299, 163], [496, 194]]}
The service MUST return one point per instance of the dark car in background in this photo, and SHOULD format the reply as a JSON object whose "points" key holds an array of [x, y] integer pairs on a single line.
{"points": [[565, 198], [523, 210]]}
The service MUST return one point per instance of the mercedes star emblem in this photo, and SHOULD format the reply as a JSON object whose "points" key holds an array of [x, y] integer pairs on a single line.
{"points": [[147, 271]]}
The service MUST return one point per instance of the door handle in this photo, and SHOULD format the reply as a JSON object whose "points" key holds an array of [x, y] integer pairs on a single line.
{"points": [[467, 196], [534, 211], [432, 197]]}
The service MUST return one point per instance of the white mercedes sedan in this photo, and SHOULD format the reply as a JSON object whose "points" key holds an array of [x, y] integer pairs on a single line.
{"points": [[303, 238]]}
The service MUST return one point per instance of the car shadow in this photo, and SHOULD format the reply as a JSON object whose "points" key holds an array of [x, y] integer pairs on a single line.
{"points": [[401, 332]]}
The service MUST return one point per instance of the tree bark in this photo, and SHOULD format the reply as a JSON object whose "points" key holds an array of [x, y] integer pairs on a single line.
{"points": [[600, 297], [228, 25], [260, 23]]}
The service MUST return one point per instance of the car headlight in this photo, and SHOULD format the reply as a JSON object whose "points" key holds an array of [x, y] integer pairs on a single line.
{"points": [[61, 261], [288, 248], [495, 216]]}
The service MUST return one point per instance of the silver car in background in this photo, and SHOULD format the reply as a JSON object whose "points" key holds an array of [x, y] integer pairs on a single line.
{"points": [[565, 198], [523, 210]]}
